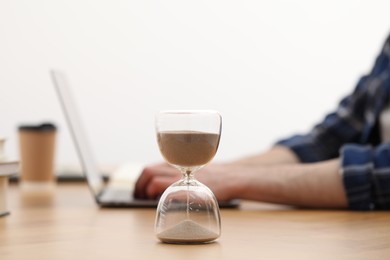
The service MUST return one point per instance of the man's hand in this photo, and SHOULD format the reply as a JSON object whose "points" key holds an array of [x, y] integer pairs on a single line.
{"points": [[156, 178]]}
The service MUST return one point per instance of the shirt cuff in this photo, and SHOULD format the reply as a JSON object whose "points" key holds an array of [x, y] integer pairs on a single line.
{"points": [[356, 170], [303, 148]]}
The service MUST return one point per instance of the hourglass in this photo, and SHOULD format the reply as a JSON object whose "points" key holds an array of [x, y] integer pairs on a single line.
{"points": [[188, 211]]}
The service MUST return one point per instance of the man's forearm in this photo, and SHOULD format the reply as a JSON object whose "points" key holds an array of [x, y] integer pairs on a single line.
{"points": [[308, 185]]}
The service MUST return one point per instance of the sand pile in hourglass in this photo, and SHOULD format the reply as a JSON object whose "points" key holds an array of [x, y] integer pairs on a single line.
{"points": [[187, 231]]}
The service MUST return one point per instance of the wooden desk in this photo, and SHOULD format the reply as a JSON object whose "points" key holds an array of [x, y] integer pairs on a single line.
{"points": [[68, 225]]}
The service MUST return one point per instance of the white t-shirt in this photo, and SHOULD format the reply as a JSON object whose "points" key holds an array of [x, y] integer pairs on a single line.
{"points": [[384, 120]]}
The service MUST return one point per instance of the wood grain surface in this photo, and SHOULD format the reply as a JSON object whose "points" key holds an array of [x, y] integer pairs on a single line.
{"points": [[67, 224]]}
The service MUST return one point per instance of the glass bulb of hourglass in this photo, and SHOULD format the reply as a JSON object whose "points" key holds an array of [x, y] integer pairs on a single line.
{"points": [[188, 211]]}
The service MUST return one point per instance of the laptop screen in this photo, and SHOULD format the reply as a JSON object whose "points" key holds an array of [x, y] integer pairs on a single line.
{"points": [[90, 168]]}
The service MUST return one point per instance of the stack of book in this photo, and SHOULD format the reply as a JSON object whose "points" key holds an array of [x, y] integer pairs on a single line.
{"points": [[7, 168]]}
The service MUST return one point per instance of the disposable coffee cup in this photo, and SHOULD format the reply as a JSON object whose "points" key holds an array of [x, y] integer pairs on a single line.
{"points": [[37, 153]]}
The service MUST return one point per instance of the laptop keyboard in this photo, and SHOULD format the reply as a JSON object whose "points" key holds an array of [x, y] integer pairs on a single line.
{"points": [[117, 195]]}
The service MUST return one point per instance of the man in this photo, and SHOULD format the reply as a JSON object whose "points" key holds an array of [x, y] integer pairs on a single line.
{"points": [[343, 162]]}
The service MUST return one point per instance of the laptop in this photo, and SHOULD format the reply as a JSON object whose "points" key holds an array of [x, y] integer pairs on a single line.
{"points": [[116, 190]]}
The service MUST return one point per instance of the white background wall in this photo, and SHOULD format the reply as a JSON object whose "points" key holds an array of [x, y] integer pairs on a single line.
{"points": [[272, 68]]}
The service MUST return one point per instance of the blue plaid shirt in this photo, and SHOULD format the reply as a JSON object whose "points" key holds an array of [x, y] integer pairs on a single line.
{"points": [[352, 133]]}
